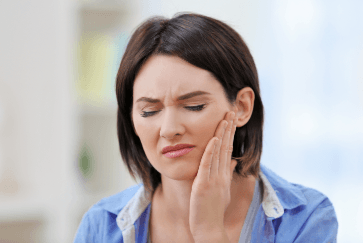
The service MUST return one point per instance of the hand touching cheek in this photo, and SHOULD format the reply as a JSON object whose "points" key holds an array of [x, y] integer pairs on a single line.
{"points": [[210, 194]]}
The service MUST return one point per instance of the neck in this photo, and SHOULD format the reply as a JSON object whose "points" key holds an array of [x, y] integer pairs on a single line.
{"points": [[173, 197]]}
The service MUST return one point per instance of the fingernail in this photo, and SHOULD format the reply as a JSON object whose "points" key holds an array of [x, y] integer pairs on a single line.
{"points": [[225, 124], [215, 142], [232, 115]]}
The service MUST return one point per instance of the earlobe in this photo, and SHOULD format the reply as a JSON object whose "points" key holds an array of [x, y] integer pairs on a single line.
{"points": [[244, 105]]}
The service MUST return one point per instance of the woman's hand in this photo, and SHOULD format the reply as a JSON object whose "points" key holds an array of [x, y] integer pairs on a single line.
{"points": [[210, 194]]}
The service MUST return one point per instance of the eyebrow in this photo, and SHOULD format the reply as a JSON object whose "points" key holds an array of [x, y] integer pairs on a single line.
{"points": [[182, 97]]}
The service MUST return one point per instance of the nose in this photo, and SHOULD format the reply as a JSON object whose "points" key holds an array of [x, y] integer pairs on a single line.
{"points": [[171, 125]]}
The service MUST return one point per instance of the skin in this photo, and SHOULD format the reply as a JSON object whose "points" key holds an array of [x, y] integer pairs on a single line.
{"points": [[194, 179]]}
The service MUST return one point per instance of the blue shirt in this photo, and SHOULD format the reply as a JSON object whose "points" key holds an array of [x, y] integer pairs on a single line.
{"points": [[288, 213]]}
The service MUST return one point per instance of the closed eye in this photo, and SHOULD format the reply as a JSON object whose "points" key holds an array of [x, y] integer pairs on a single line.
{"points": [[191, 108]]}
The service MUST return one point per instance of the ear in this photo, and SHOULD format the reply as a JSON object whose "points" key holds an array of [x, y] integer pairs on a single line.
{"points": [[243, 107]]}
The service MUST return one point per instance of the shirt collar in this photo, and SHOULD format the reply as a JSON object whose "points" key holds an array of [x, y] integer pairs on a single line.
{"points": [[278, 195], [270, 202]]}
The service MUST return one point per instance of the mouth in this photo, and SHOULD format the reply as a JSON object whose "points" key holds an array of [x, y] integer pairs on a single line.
{"points": [[178, 153], [177, 150]]}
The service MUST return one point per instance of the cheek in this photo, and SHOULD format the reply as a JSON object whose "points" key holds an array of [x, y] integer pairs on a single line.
{"points": [[139, 125], [147, 133], [205, 129], [144, 131]]}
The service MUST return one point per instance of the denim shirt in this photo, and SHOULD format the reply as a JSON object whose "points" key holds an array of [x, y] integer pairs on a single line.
{"points": [[288, 213]]}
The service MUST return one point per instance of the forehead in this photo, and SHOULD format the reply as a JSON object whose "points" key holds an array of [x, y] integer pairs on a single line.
{"points": [[171, 76]]}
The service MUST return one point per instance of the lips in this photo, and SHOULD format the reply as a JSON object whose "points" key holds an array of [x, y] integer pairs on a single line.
{"points": [[176, 147]]}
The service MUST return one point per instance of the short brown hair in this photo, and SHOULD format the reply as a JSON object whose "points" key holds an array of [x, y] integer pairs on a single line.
{"points": [[206, 43]]}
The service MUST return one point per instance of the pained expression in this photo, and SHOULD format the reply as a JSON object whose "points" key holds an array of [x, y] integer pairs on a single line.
{"points": [[171, 121]]}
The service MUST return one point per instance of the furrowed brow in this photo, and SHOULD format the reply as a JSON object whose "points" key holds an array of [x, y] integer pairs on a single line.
{"points": [[182, 97]]}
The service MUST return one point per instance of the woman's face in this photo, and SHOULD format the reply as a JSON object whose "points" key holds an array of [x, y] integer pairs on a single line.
{"points": [[168, 121]]}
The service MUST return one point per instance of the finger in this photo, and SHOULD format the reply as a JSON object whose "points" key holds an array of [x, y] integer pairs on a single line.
{"points": [[207, 160], [225, 161], [216, 156]]}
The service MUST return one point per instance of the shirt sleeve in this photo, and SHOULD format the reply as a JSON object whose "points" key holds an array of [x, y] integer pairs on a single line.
{"points": [[321, 226], [85, 234]]}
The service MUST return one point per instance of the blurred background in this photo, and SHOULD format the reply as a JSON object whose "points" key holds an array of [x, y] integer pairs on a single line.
{"points": [[58, 62]]}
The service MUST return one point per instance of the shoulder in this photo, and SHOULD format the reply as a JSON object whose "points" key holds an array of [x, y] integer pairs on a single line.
{"points": [[308, 216], [292, 195], [101, 217], [316, 219], [116, 202]]}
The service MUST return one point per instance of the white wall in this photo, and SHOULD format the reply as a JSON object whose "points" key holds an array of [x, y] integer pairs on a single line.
{"points": [[37, 129]]}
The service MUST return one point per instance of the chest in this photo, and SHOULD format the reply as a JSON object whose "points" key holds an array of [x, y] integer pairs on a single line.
{"points": [[166, 235]]}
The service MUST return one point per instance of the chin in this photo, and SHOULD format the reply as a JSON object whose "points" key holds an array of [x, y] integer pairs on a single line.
{"points": [[176, 174]]}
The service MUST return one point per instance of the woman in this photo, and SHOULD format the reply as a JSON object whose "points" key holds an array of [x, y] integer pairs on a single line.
{"points": [[189, 123]]}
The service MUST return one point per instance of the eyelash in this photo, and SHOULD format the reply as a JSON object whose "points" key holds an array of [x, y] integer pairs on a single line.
{"points": [[191, 108]]}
